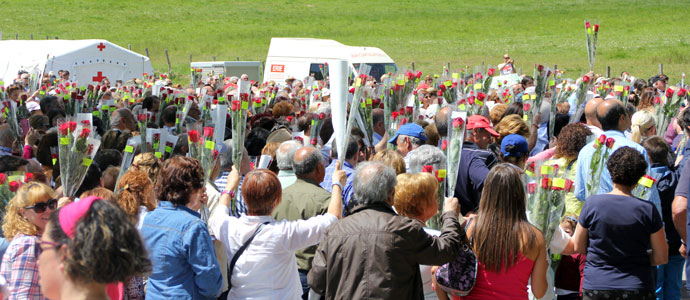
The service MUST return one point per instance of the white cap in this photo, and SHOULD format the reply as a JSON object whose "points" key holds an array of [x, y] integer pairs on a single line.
{"points": [[33, 106]]}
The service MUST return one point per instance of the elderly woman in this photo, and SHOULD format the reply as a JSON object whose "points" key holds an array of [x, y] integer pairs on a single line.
{"points": [[426, 155], [87, 245], [268, 268], [416, 198], [616, 230], [180, 246], [24, 222]]}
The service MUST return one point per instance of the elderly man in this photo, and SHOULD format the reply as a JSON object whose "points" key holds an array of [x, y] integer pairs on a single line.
{"points": [[427, 155], [7, 140], [614, 121], [591, 117], [408, 138], [475, 163], [304, 199], [123, 119], [285, 155], [351, 151], [375, 253]]}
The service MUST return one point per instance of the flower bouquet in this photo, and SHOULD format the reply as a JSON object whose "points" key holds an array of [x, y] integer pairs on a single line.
{"points": [[603, 147], [9, 112], [591, 37], [196, 77], [546, 199], [603, 88], [453, 147], [238, 113], [580, 96], [541, 76], [669, 108], [142, 124], [558, 96], [77, 147], [10, 182], [128, 157], [435, 221]]}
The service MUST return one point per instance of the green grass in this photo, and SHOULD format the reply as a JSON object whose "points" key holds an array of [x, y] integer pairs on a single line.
{"points": [[635, 36]]}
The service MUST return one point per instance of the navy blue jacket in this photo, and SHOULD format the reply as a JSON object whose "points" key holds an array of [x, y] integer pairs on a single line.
{"points": [[474, 166]]}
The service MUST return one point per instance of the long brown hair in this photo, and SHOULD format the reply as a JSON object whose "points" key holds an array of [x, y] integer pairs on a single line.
{"points": [[501, 230]]}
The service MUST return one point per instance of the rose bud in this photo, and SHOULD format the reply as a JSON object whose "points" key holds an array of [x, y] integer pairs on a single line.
{"points": [[491, 72], [457, 122], [444, 145], [609, 142], [587, 25], [526, 106], [408, 110], [3, 178], [481, 96], [427, 169], [602, 139], [208, 132], [14, 186], [585, 79], [669, 93], [596, 27]]}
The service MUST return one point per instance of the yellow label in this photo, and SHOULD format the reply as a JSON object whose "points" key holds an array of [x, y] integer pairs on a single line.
{"points": [[168, 149], [54, 161], [618, 88], [313, 122], [442, 173], [525, 96], [358, 82], [646, 182], [524, 118], [112, 108], [210, 145], [257, 104], [368, 101], [401, 82], [533, 96], [158, 154], [362, 104], [479, 102], [129, 149], [461, 106], [245, 105], [263, 101], [529, 173], [448, 83], [477, 86], [221, 99], [552, 82], [87, 161], [559, 183], [545, 170], [64, 141], [455, 76]]}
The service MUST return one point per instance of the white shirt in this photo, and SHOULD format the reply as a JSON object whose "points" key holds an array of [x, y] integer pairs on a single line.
{"points": [[267, 269]]}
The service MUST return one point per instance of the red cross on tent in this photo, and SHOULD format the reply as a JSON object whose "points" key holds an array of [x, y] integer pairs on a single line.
{"points": [[100, 47], [99, 77]]}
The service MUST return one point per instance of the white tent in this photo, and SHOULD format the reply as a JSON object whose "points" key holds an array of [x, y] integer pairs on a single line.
{"points": [[88, 61]]}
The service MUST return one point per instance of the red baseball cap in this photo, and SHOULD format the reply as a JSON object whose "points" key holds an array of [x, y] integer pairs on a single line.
{"points": [[478, 121]]}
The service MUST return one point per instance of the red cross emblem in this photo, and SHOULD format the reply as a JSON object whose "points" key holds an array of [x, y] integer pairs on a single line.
{"points": [[99, 77], [101, 47]]}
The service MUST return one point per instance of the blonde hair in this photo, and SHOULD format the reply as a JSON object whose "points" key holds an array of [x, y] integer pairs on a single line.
{"points": [[512, 124], [391, 158], [99, 192], [29, 194], [641, 122], [147, 163], [497, 112], [135, 189], [414, 193]]}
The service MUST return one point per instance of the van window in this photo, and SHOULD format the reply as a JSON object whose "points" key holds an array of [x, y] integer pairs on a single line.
{"points": [[315, 71], [377, 70]]}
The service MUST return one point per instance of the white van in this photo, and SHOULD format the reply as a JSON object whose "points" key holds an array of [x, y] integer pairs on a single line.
{"points": [[301, 58]]}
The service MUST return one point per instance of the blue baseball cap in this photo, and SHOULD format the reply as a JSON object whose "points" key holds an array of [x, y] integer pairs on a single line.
{"points": [[516, 145], [409, 129]]}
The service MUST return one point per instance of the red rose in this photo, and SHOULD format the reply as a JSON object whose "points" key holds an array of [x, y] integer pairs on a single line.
{"points": [[427, 169], [540, 68], [215, 101], [414, 92], [657, 100], [439, 93], [481, 96], [587, 25], [72, 125], [142, 117], [394, 115], [545, 183], [682, 92], [74, 84], [531, 188], [104, 88], [193, 136], [64, 129], [491, 72], [214, 153], [352, 90], [85, 133], [444, 145], [403, 121], [289, 119], [408, 110], [609, 142], [442, 87], [235, 105], [470, 100], [526, 106], [568, 185], [457, 122], [602, 139], [3, 178], [43, 88], [86, 123], [314, 141], [478, 76], [14, 186], [419, 74], [322, 116], [596, 27], [440, 179], [28, 177], [208, 132], [669, 93]]}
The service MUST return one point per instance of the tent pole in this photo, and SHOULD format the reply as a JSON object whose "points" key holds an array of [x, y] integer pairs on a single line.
{"points": [[168, 58]]}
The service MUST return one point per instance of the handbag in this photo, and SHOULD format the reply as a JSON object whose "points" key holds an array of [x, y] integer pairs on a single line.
{"points": [[239, 252], [459, 276]]}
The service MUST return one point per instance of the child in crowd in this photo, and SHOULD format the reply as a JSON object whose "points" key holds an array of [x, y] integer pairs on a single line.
{"points": [[568, 280]]}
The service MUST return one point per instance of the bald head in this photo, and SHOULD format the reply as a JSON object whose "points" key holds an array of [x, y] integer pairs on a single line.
{"points": [[612, 115], [441, 120], [377, 120], [308, 163], [591, 111]]}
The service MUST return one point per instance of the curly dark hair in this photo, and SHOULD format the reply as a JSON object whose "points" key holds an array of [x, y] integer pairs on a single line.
{"points": [[626, 165], [571, 140], [178, 178], [106, 247]]}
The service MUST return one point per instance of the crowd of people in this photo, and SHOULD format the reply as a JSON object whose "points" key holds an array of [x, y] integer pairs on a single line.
{"points": [[307, 225]]}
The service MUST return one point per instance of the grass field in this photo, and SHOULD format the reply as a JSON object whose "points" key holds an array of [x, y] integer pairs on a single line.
{"points": [[635, 35]]}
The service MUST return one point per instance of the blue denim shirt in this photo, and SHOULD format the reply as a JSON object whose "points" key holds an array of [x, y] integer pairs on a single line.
{"points": [[348, 190], [181, 250]]}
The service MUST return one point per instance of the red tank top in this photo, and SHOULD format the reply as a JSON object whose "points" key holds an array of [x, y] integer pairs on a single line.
{"points": [[508, 285]]}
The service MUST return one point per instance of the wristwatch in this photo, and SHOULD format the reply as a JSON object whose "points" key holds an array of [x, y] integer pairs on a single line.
{"points": [[231, 193], [338, 184]]}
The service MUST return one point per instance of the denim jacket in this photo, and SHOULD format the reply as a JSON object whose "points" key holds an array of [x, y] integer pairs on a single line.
{"points": [[181, 250]]}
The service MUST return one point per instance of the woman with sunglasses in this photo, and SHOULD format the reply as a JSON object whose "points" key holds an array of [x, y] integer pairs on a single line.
{"points": [[26, 218]]}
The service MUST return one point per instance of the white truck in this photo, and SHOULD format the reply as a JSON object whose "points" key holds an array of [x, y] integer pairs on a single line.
{"points": [[301, 58]]}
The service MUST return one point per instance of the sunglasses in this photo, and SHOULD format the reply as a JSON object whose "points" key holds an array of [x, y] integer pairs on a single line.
{"points": [[42, 206], [41, 248]]}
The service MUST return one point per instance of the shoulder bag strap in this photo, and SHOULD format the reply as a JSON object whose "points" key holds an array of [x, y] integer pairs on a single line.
{"points": [[239, 253]]}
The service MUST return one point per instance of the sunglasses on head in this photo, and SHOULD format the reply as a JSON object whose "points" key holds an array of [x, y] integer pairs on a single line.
{"points": [[43, 206]]}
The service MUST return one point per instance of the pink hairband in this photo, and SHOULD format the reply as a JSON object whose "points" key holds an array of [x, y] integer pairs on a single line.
{"points": [[71, 213]]}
